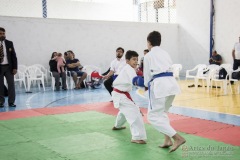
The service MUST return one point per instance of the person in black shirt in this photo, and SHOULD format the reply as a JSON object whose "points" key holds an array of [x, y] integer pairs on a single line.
{"points": [[56, 75], [215, 59], [73, 68]]}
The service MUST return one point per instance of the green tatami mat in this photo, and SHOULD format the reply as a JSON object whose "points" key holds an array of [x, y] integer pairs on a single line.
{"points": [[88, 136]]}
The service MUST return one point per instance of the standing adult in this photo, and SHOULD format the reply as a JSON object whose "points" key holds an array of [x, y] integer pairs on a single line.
{"points": [[56, 74], [116, 65], [162, 90], [236, 55], [8, 68]]}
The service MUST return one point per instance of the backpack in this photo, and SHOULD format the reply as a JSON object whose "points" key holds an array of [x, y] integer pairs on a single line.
{"points": [[96, 80], [236, 75], [222, 73]]}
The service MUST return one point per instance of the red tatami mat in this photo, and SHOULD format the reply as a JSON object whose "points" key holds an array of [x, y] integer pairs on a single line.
{"points": [[19, 114], [209, 129], [195, 125], [227, 135]]}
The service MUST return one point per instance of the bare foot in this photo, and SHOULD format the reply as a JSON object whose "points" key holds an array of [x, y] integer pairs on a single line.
{"points": [[138, 141], [115, 128], [177, 143], [166, 145], [167, 142]]}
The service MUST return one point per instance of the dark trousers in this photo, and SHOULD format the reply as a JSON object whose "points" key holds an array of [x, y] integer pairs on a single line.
{"points": [[108, 85], [7, 73], [57, 77], [236, 64]]}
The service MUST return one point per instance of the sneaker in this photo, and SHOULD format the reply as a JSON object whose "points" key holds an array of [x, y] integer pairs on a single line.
{"points": [[12, 105]]}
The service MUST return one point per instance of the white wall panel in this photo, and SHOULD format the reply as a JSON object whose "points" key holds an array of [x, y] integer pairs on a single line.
{"points": [[93, 42]]}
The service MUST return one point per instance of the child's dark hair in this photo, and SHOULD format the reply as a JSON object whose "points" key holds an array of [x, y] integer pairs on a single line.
{"points": [[130, 54], [146, 50], [154, 38], [120, 48]]}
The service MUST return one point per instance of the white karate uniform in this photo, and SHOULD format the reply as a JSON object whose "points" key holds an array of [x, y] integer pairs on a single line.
{"points": [[162, 89], [128, 110]]}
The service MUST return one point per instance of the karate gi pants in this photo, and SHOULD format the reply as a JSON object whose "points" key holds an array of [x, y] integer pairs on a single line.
{"points": [[130, 112], [157, 114]]}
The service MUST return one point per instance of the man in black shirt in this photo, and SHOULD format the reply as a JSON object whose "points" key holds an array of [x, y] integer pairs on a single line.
{"points": [[215, 59]]}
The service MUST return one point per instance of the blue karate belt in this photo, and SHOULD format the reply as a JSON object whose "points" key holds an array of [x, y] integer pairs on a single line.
{"points": [[114, 77], [164, 74]]}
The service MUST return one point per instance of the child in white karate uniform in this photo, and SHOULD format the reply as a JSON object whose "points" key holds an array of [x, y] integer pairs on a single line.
{"points": [[163, 87], [128, 110]]}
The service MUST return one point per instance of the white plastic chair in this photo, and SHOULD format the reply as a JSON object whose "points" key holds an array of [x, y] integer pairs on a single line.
{"points": [[199, 74], [22, 68], [176, 68], [20, 77], [209, 73], [198, 70], [224, 82], [53, 81], [34, 74], [70, 80], [44, 70], [236, 81]]}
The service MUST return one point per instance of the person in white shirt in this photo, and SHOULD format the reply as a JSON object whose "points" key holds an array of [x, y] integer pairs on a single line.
{"points": [[162, 88], [236, 55], [128, 110], [116, 66]]}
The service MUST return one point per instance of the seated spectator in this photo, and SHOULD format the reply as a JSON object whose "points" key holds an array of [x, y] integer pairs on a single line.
{"points": [[57, 75], [73, 67], [60, 62], [215, 59], [70, 51]]}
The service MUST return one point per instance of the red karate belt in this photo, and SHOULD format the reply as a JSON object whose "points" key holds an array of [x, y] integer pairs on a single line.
{"points": [[126, 93]]}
